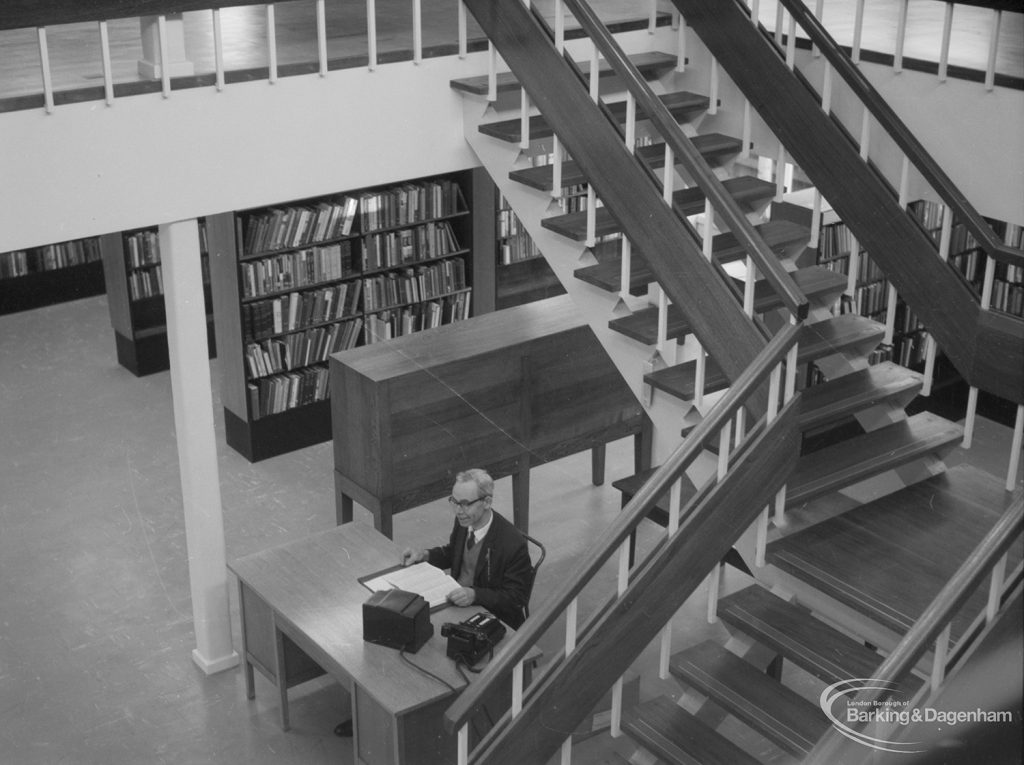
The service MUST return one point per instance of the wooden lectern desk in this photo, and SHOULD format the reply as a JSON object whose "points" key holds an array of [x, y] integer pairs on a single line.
{"points": [[503, 391]]}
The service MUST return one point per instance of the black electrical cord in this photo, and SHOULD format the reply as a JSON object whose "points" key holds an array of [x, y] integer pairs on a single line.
{"points": [[426, 672]]}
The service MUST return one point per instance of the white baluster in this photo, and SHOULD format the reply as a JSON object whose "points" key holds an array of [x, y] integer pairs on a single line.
{"points": [[826, 89], [947, 33], [630, 123], [748, 288], [321, 36], [724, 436], [417, 31], [44, 63], [595, 75], [791, 43], [995, 590], [165, 59], [566, 751], [993, 45], [675, 499], [858, 29], [463, 745], [559, 27], [780, 174], [524, 120], [854, 268], [815, 220], [745, 151], [492, 72], [463, 30], [969, 417], [761, 543], [625, 268], [652, 17], [681, 45], [591, 216], [939, 662], [755, 12], [780, 17], [865, 134], [556, 170], [901, 34], [890, 314], [218, 49], [517, 688], [1015, 447], [713, 89], [817, 14], [108, 78], [371, 33], [616, 716], [714, 587], [571, 613], [271, 46]]}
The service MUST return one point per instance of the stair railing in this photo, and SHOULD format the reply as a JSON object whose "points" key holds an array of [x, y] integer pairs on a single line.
{"points": [[955, 204], [932, 631], [682, 150], [564, 600]]}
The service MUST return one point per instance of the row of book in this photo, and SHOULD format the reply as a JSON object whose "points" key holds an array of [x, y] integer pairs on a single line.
{"points": [[52, 257], [299, 310], [278, 393], [409, 203], [410, 245], [146, 283], [871, 298], [835, 241], [412, 285], [301, 349], [395, 323], [910, 350], [867, 269], [298, 225], [142, 248], [1008, 297], [514, 242], [299, 268]]}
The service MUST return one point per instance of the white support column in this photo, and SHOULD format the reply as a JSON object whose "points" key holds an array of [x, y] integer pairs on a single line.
{"points": [[371, 34], [417, 32], [197, 445], [858, 28], [108, 77], [321, 36], [1015, 447], [271, 44], [901, 35], [218, 49], [463, 30], [993, 46]]}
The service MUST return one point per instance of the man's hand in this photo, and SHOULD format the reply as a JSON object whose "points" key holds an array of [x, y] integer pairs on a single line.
{"points": [[410, 556], [464, 596]]}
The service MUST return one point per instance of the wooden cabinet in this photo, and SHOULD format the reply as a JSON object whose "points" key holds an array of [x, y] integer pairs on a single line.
{"points": [[503, 391]]}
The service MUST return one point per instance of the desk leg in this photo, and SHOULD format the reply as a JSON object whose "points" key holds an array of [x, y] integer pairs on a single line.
{"points": [[280, 674], [521, 499], [643, 446], [250, 680], [597, 460], [345, 508], [382, 519]]}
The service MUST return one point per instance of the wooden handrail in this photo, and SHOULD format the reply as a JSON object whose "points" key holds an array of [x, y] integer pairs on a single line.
{"points": [[24, 14], [624, 524], [901, 134], [687, 155], [935, 617]]}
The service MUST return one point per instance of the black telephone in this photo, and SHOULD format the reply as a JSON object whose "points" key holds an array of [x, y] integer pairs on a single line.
{"points": [[469, 640]]}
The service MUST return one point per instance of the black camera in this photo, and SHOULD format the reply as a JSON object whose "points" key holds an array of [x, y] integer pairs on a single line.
{"points": [[472, 639]]}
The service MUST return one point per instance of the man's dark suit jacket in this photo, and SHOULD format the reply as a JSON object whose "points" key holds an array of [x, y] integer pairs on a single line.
{"points": [[503, 571]]}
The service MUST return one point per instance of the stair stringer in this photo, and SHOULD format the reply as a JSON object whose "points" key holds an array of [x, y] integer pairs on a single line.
{"points": [[564, 256]]}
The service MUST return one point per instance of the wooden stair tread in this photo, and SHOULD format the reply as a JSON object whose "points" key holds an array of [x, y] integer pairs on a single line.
{"points": [[794, 632], [744, 189], [779, 714], [680, 104], [630, 485], [889, 558], [818, 284], [651, 64], [830, 401], [853, 460], [778, 235], [816, 340], [711, 146], [677, 737]]}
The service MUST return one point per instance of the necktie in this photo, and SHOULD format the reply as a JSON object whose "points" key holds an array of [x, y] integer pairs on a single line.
{"points": [[470, 540]]}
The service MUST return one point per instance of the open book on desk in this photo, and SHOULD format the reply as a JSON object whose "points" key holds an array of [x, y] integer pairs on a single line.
{"points": [[422, 578]]}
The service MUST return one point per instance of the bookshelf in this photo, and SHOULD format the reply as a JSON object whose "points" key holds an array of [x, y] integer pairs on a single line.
{"points": [[297, 281], [522, 273], [55, 273], [134, 283]]}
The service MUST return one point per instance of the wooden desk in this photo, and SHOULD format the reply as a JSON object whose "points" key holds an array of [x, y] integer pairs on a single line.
{"points": [[504, 391], [301, 613]]}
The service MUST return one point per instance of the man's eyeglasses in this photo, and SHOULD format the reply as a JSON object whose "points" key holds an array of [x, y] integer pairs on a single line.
{"points": [[462, 504]]}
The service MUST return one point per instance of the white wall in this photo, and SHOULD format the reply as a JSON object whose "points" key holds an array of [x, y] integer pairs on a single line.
{"points": [[90, 169]]}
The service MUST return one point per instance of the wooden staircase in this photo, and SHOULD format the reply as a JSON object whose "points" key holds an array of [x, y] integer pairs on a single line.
{"points": [[917, 538]]}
